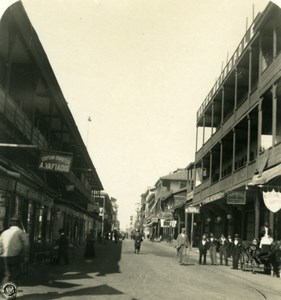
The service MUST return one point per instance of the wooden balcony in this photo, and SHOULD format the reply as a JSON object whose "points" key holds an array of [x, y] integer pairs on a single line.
{"points": [[16, 117], [238, 178], [270, 75], [229, 123]]}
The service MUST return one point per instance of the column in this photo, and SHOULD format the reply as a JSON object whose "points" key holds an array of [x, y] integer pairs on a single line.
{"points": [[212, 120], [250, 73], [204, 121], [274, 113], [259, 130], [222, 106], [248, 138], [233, 149], [257, 215], [235, 89], [211, 167], [221, 154]]}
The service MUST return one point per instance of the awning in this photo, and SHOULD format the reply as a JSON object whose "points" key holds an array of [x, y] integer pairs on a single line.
{"points": [[266, 176]]}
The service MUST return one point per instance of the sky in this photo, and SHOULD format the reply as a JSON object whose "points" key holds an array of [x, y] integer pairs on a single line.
{"points": [[140, 69]]}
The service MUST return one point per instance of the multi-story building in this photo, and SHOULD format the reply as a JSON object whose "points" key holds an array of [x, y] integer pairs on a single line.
{"points": [[164, 202], [237, 160], [46, 174]]}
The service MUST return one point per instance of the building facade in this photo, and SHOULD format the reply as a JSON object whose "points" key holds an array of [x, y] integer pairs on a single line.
{"points": [[238, 152], [46, 174]]}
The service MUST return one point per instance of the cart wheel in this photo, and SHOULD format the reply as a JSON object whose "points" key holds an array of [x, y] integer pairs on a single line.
{"points": [[242, 262]]}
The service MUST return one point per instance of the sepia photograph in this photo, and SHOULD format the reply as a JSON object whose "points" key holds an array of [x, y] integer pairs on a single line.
{"points": [[140, 149]]}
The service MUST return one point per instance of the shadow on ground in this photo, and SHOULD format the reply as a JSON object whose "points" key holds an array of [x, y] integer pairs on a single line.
{"points": [[56, 276]]}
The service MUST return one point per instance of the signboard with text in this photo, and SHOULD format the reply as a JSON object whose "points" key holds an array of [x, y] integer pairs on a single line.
{"points": [[55, 162], [236, 197], [192, 210]]}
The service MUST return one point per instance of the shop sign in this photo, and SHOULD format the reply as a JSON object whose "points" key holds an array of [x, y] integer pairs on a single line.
{"points": [[272, 200], [55, 162], [93, 207], [214, 197], [236, 197], [168, 215], [165, 223], [192, 210]]}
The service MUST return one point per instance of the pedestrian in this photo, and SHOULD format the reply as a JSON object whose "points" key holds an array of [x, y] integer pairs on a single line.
{"points": [[236, 250], [182, 244], [15, 251], [203, 247], [223, 250], [90, 245], [229, 245], [63, 245], [116, 236], [138, 240], [213, 244]]}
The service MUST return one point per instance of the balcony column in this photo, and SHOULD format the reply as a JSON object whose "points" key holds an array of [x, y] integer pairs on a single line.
{"points": [[248, 138], [259, 130], [196, 139], [212, 120], [274, 41], [250, 74], [222, 105], [221, 155], [211, 167], [202, 170], [235, 89], [257, 214], [204, 121], [274, 113], [233, 149]]}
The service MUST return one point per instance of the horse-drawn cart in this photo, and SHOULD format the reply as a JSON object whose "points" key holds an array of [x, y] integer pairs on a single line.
{"points": [[265, 260]]}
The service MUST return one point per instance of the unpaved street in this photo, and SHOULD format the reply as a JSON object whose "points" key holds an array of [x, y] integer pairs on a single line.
{"points": [[118, 273]]}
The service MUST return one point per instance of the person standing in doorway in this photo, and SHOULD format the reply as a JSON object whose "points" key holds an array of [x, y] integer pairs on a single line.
{"points": [[15, 250], [182, 244]]}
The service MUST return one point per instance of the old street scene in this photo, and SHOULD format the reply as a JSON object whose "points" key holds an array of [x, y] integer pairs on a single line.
{"points": [[137, 160]]}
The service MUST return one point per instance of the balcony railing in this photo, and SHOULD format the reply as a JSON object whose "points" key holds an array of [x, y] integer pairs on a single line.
{"points": [[228, 68], [16, 116]]}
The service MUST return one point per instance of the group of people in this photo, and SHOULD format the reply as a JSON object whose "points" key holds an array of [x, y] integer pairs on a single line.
{"points": [[14, 250], [226, 247]]}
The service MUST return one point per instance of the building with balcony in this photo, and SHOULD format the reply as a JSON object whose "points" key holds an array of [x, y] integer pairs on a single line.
{"points": [[163, 202], [46, 174], [238, 152]]}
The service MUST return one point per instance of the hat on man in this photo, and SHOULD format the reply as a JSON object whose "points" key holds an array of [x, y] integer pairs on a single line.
{"points": [[236, 236], [15, 220]]}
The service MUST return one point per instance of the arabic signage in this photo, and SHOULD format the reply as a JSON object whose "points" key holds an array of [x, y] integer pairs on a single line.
{"points": [[236, 197], [55, 162]]}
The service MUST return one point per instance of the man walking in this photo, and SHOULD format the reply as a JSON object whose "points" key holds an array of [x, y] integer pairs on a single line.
{"points": [[14, 243], [182, 244], [63, 250]]}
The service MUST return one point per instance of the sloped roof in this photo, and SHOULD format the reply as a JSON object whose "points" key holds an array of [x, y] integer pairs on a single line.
{"points": [[180, 175]]}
